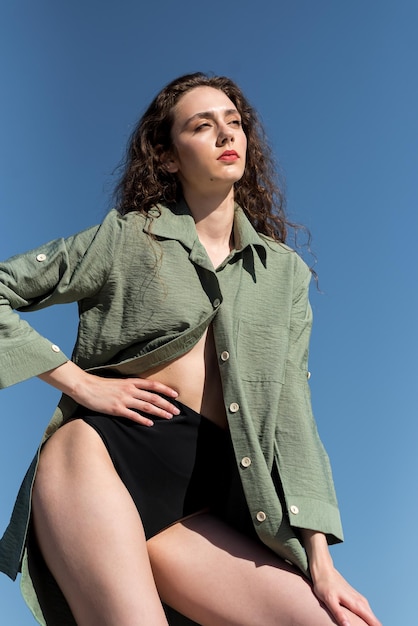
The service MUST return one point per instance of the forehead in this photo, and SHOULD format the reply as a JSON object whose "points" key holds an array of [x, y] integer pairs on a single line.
{"points": [[201, 99]]}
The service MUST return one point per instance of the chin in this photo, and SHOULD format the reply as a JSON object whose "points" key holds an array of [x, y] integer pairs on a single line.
{"points": [[231, 177]]}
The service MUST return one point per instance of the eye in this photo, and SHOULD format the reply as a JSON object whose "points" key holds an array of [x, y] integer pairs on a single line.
{"points": [[236, 123], [202, 126]]}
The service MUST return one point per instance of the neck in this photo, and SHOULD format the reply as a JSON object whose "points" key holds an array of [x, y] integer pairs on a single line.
{"points": [[214, 215], [214, 218]]}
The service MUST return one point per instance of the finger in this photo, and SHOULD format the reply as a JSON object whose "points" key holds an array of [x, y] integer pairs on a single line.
{"points": [[154, 404], [357, 606], [361, 607], [147, 391], [338, 613], [142, 410], [135, 417], [154, 385], [153, 409]]}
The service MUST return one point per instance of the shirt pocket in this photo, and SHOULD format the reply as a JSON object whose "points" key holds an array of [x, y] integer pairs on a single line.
{"points": [[262, 351]]}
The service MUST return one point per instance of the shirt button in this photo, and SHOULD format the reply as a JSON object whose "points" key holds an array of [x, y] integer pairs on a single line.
{"points": [[224, 355], [294, 509], [261, 516], [234, 407], [216, 302], [41, 257], [55, 348], [308, 375], [246, 461]]}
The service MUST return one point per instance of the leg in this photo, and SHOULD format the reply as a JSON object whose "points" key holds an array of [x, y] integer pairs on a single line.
{"points": [[90, 533], [219, 577]]}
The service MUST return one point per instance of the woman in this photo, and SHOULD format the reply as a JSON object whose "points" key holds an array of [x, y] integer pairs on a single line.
{"points": [[183, 462]]}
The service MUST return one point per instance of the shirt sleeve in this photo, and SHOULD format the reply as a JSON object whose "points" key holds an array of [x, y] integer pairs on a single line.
{"points": [[304, 465], [59, 272]]}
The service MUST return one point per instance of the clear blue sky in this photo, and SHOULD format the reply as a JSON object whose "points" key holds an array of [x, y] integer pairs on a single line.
{"points": [[336, 86]]}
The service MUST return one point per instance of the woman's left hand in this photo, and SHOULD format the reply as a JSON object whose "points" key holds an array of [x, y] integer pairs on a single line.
{"points": [[341, 599]]}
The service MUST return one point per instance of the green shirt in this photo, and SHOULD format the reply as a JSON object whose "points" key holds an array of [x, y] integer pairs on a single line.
{"points": [[144, 301]]}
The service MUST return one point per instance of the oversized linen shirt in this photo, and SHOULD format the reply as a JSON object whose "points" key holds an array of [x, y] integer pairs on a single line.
{"points": [[144, 301]]}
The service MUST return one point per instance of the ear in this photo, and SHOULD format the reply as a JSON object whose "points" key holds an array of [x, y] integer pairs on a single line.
{"points": [[169, 162]]}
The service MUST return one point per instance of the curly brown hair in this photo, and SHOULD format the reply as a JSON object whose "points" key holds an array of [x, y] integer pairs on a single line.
{"points": [[145, 182]]}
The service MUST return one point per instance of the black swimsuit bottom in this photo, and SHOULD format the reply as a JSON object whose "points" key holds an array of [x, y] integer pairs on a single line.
{"points": [[175, 468]]}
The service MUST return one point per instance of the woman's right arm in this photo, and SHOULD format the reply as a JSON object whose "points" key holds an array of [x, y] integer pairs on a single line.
{"points": [[124, 397], [51, 274], [62, 271]]}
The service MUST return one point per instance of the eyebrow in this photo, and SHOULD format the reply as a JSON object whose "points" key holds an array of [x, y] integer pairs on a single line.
{"points": [[209, 115]]}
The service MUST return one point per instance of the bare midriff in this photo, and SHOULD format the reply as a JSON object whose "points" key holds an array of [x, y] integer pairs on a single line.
{"points": [[195, 377]]}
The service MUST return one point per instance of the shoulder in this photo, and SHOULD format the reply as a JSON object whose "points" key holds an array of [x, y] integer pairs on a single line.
{"points": [[115, 220], [115, 230], [283, 255]]}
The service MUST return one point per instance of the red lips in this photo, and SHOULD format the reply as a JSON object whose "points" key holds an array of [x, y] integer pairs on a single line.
{"points": [[228, 155]]}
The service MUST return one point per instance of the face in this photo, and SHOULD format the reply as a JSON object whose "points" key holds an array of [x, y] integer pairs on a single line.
{"points": [[209, 144]]}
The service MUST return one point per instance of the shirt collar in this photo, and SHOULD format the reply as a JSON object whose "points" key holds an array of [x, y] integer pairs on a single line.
{"points": [[177, 223]]}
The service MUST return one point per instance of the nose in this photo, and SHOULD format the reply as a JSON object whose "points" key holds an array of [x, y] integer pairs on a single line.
{"points": [[225, 135]]}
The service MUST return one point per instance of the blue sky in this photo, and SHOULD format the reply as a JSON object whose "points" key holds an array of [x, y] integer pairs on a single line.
{"points": [[336, 87]]}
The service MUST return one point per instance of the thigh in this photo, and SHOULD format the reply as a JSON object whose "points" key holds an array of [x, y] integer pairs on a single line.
{"points": [[90, 533], [219, 577]]}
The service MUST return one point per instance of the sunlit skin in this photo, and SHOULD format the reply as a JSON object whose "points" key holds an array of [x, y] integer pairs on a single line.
{"points": [[202, 567], [209, 144]]}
